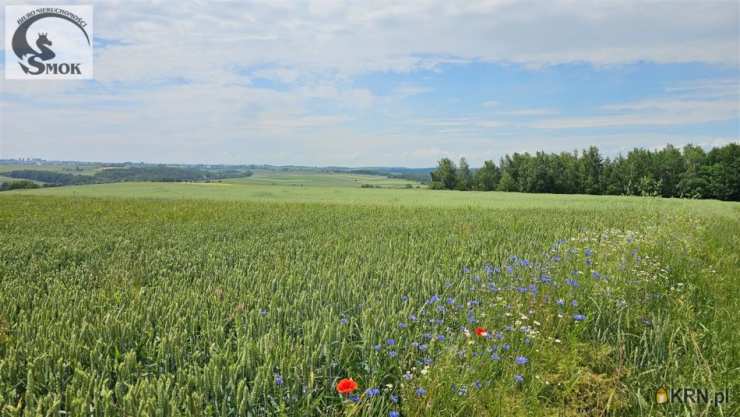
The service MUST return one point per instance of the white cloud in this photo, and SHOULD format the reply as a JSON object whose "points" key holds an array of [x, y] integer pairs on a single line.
{"points": [[318, 48]]}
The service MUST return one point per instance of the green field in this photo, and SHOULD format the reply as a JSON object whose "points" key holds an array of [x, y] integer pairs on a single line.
{"points": [[320, 179], [77, 169], [246, 298]]}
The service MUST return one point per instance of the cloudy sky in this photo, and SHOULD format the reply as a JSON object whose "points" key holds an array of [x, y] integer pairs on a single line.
{"points": [[381, 83]]}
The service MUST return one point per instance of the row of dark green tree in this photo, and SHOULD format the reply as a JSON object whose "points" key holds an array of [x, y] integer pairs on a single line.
{"points": [[689, 172]]}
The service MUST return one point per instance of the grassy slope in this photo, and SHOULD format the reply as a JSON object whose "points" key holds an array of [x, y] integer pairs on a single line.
{"points": [[318, 179], [67, 169], [384, 197], [153, 268]]}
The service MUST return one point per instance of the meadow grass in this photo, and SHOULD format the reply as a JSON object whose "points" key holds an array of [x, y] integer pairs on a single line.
{"points": [[251, 300], [321, 179]]}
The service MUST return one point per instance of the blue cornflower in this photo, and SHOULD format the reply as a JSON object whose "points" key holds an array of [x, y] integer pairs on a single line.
{"points": [[574, 303], [377, 347], [391, 342], [402, 325], [394, 413], [573, 283], [408, 376], [427, 361], [595, 275], [556, 258], [518, 378], [278, 379], [466, 269], [545, 278], [521, 360], [372, 392], [560, 302], [423, 347], [434, 299], [495, 356], [506, 347], [579, 317], [421, 392], [354, 398], [263, 312], [587, 252], [441, 337], [412, 317], [441, 309], [392, 353], [477, 384], [343, 320], [404, 298], [394, 398]]}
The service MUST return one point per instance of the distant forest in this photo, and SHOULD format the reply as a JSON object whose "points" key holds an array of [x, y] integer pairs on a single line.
{"points": [[689, 172], [117, 174]]}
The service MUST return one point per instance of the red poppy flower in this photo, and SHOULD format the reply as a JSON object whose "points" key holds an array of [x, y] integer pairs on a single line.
{"points": [[481, 331], [346, 386]]}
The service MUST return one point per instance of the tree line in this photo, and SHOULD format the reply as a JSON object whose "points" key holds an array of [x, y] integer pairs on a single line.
{"points": [[689, 172], [147, 173]]}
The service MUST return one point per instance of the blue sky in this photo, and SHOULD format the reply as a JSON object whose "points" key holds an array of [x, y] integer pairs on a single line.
{"points": [[401, 84]]}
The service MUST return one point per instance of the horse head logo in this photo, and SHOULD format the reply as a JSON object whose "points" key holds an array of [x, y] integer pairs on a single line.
{"points": [[30, 57]]}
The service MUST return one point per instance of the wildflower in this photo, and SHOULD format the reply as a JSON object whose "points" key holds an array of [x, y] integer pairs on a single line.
{"points": [[377, 347], [412, 317], [394, 413], [392, 353], [560, 302], [403, 325], [481, 331], [391, 342], [408, 376], [573, 283], [574, 303], [595, 275], [343, 320], [405, 298], [263, 312], [423, 347], [394, 398], [495, 356], [421, 392], [587, 252], [441, 337], [579, 317], [521, 360], [278, 379], [434, 299], [354, 398], [346, 386], [518, 378], [372, 392]]}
